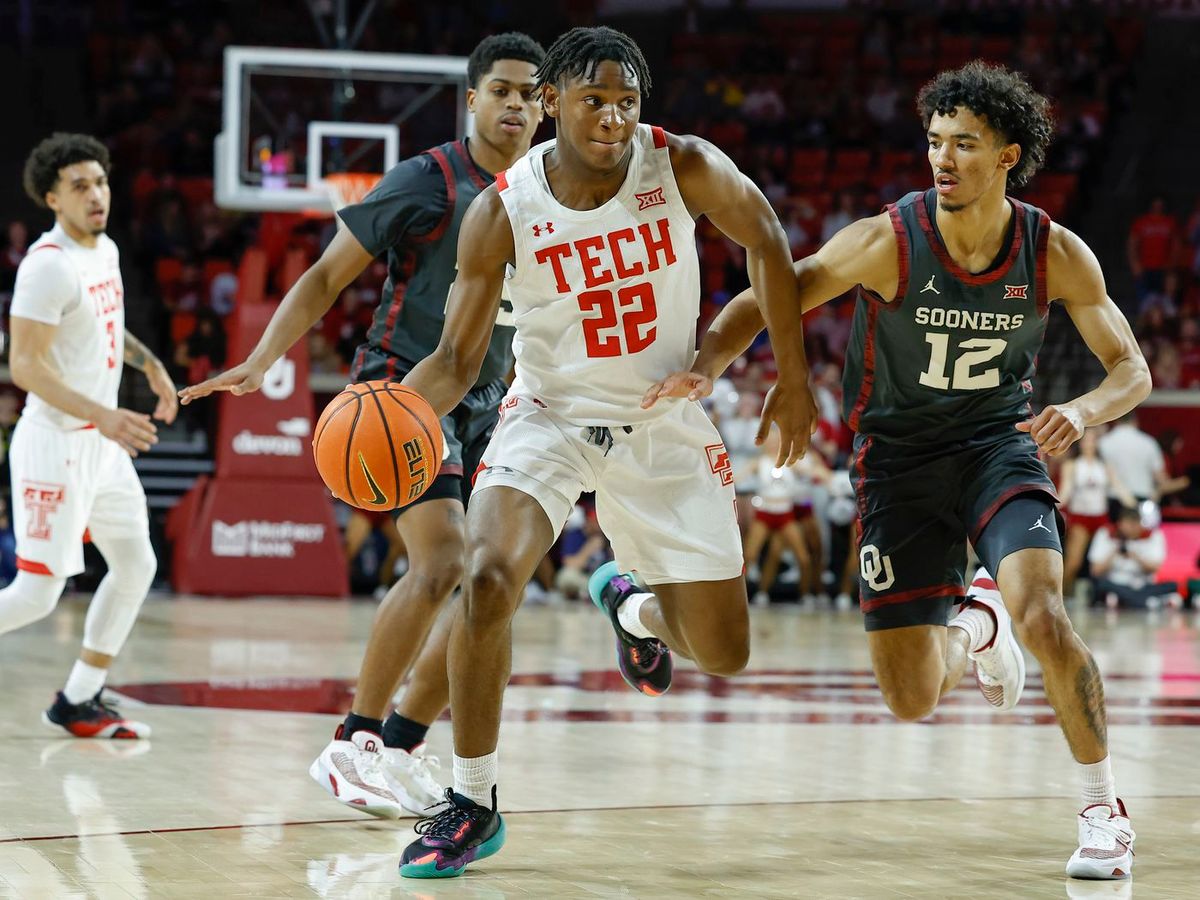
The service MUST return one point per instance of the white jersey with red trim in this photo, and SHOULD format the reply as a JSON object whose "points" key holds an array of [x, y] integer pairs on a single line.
{"points": [[605, 300], [78, 290]]}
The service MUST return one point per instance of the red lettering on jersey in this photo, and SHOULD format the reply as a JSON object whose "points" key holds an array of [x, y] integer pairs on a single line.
{"points": [[614, 245], [663, 244], [555, 254], [41, 501], [591, 277], [1016, 292], [106, 296]]}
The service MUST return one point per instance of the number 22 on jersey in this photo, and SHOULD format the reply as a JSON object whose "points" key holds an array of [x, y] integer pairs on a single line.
{"points": [[633, 306]]}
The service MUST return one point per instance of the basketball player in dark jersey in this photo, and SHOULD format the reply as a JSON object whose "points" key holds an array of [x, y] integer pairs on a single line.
{"points": [[413, 215], [954, 289]]}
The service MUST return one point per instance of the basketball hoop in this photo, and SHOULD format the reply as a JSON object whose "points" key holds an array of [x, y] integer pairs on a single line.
{"points": [[348, 188]]}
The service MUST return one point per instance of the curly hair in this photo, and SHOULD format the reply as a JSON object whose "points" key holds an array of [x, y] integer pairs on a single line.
{"points": [[580, 50], [1018, 113], [510, 45], [51, 155]]}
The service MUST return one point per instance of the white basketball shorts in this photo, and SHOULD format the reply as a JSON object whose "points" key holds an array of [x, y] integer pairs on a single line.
{"points": [[66, 482], [664, 490]]}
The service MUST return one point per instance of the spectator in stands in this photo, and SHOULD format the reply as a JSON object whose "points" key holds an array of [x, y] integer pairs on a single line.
{"points": [[738, 431], [882, 104], [1189, 353], [845, 210], [1137, 456], [15, 246], [1166, 299], [1171, 444], [1153, 246], [584, 549], [1125, 558], [1166, 368], [360, 528], [1084, 484]]}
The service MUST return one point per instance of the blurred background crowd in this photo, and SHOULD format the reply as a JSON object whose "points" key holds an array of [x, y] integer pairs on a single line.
{"points": [[816, 106]]}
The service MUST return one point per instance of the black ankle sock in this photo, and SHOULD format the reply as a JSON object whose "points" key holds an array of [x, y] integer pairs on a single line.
{"points": [[355, 723], [403, 733]]}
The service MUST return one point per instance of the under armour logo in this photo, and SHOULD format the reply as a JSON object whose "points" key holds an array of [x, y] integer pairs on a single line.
{"points": [[876, 570], [929, 286], [537, 229], [1039, 524]]}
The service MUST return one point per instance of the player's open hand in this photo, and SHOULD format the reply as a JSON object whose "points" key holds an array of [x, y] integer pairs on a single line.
{"points": [[692, 385], [791, 406], [1054, 429], [164, 390], [132, 430], [243, 379]]}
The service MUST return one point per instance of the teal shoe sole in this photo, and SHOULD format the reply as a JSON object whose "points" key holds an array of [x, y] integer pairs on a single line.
{"points": [[428, 867]]}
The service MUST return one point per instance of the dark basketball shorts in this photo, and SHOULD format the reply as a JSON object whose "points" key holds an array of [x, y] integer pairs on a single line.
{"points": [[466, 430], [919, 507]]}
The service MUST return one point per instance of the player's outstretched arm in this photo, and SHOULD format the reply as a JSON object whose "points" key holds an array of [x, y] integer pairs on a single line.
{"points": [[713, 186], [141, 358], [31, 368], [485, 247], [303, 306], [864, 252], [1073, 275]]}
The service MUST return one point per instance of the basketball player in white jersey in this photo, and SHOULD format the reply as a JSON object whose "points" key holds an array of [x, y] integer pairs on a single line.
{"points": [[595, 234], [70, 457]]}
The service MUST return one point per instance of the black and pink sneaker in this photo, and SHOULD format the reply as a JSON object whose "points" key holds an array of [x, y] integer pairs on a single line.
{"points": [[645, 663], [453, 839], [93, 719]]}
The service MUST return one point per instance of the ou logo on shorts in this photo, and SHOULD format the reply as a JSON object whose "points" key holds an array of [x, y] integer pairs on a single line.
{"points": [[876, 570]]}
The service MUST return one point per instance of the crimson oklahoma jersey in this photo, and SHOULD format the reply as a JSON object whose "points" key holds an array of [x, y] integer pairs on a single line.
{"points": [[605, 300], [954, 354]]}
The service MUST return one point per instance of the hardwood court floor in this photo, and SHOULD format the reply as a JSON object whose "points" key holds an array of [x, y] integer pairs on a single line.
{"points": [[788, 781]]}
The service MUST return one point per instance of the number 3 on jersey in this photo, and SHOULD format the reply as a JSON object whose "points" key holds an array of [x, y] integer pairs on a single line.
{"points": [[637, 313]]}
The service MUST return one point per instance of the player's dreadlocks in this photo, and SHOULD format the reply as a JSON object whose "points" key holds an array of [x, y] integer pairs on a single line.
{"points": [[59, 150], [1012, 107], [580, 50], [510, 45]]}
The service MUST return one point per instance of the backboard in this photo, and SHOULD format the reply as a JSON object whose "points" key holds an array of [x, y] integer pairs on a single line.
{"points": [[290, 116]]}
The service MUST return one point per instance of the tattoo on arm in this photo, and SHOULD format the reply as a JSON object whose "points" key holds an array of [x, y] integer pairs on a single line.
{"points": [[1090, 690], [138, 354]]}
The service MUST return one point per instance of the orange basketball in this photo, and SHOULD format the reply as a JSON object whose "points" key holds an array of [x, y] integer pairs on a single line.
{"points": [[378, 445]]}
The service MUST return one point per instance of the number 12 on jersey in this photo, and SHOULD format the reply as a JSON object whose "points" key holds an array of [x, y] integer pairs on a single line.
{"points": [[979, 350], [637, 313]]}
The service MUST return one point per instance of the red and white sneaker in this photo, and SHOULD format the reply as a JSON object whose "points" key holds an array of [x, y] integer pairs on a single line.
{"points": [[1105, 843], [93, 719], [352, 772], [1000, 666]]}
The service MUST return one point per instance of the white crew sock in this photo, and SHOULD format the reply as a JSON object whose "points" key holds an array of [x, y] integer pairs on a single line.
{"points": [[83, 682], [475, 777], [629, 615], [1098, 783], [979, 624]]}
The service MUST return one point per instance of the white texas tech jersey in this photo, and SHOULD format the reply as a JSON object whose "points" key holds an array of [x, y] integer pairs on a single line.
{"points": [[605, 300], [79, 290]]}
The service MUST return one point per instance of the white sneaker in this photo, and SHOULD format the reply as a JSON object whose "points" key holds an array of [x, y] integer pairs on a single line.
{"points": [[410, 777], [761, 598], [1105, 843], [999, 668], [843, 602], [352, 772]]}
